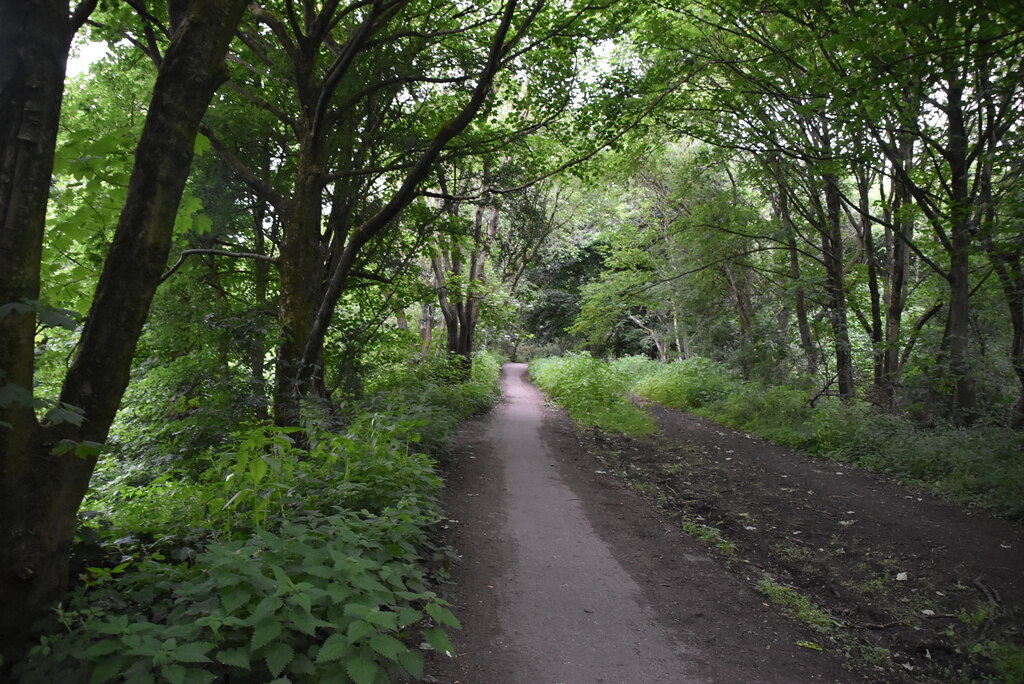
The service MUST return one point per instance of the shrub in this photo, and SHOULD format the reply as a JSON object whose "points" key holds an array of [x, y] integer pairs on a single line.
{"points": [[303, 564], [778, 413], [332, 598], [688, 384], [592, 391]]}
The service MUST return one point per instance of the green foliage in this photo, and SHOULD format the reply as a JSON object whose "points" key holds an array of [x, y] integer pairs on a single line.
{"points": [[1006, 659], [795, 604], [980, 465], [592, 391], [327, 598], [688, 384], [274, 562]]}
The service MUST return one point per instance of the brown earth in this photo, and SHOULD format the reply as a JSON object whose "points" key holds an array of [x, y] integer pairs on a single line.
{"points": [[589, 557]]}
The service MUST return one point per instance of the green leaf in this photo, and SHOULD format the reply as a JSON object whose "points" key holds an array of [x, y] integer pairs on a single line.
{"points": [[175, 674], [408, 616], [303, 620], [235, 657], [192, 653], [335, 648], [387, 646], [277, 656], [58, 318], [361, 670], [338, 592], [234, 598], [102, 648], [412, 661], [388, 620], [265, 632], [267, 607], [359, 629], [443, 615], [107, 669], [439, 641], [202, 145]]}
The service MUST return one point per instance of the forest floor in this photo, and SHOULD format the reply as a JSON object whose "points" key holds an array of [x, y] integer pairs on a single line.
{"points": [[701, 554]]}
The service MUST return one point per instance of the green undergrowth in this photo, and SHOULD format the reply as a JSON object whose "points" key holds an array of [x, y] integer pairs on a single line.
{"points": [[795, 604], [280, 559], [981, 465], [592, 391]]}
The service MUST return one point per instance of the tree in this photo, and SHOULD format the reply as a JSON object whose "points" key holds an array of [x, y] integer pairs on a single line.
{"points": [[46, 465]]}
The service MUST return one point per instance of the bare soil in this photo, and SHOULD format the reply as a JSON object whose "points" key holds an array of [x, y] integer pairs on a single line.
{"points": [[588, 557]]}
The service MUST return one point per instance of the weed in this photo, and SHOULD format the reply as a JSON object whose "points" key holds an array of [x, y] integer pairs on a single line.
{"points": [[795, 604], [710, 536], [592, 391]]}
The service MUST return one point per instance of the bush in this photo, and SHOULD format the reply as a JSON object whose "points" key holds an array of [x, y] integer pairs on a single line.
{"points": [[332, 598], [299, 563], [688, 384], [592, 391], [778, 413], [980, 465]]}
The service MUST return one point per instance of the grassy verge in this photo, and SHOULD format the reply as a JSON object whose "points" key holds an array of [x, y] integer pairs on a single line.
{"points": [[979, 466], [265, 561], [592, 391]]}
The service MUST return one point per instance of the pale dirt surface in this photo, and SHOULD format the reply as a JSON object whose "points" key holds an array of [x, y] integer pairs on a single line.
{"points": [[568, 577]]}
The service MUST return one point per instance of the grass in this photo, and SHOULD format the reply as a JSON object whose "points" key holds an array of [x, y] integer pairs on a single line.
{"points": [[981, 466], [794, 604], [592, 391]]}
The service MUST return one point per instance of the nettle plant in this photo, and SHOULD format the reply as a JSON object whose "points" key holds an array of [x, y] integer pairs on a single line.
{"points": [[328, 598]]}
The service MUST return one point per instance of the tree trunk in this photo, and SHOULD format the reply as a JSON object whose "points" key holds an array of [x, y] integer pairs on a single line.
{"points": [[876, 330], [799, 296], [258, 343], [832, 253], [37, 524], [40, 490], [898, 258], [956, 340]]}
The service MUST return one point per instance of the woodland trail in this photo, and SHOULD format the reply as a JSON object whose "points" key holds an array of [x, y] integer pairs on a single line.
{"points": [[567, 577]]}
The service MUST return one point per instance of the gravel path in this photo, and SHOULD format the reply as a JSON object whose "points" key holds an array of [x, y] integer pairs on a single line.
{"points": [[567, 577]]}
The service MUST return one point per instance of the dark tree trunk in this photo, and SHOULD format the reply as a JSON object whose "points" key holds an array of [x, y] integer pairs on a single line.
{"points": [[301, 269], [832, 253], [957, 335], [37, 524], [799, 296], [876, 329], [258, 342], [40, 490], [898, 259]]}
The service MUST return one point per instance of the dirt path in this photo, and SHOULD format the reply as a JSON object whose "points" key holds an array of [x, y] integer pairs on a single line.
{"points": [[569, 577]]}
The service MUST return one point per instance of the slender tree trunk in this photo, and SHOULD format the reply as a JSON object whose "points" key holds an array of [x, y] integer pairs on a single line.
{"points": [[832, 253], [898, 272], [874, 290], [258, 342], [41, 487], [799, 296], [739, 287], [300, 268]]}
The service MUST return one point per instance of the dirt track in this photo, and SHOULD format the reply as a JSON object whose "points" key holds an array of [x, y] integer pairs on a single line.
{"points": [[569, 577]]}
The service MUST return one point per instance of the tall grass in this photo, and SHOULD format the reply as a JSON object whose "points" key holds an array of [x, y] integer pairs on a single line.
{"points": [[592, 391], [982, 465]]}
